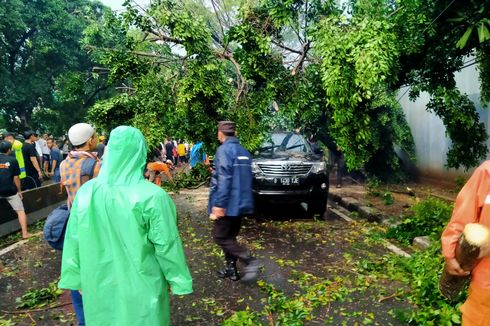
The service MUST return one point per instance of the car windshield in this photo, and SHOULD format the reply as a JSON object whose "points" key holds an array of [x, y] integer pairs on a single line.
{"points": [[285, 142]]}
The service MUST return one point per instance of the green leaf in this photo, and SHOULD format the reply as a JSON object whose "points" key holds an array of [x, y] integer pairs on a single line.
{"points": [[483, 33], [464, 39], [455, 318]]}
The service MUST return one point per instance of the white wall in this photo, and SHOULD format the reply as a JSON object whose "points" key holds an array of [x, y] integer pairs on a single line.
{"points": [[431, 142]]}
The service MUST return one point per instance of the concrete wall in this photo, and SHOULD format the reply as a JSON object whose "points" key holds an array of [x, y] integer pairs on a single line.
{"points": [[38, 203], [431, 143]]}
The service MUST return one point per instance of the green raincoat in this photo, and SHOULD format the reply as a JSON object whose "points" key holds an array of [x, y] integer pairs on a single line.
{"points": [[122, 245]]}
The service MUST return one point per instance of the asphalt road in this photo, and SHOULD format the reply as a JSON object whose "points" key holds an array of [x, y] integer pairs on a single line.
{"points": [[311, 273]]}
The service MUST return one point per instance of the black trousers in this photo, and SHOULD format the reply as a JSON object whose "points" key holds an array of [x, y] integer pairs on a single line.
{"points": [[30, 182], [225, 231]]}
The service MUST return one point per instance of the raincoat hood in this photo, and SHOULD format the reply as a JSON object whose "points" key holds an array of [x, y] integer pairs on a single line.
{"points": [[125, 159]]}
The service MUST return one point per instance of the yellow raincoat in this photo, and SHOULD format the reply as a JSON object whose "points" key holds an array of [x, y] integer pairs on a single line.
{"points": [[122, 247]]}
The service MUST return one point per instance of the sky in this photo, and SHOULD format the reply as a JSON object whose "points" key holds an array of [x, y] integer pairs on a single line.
{"points": [[114, 4], [117, 4]]}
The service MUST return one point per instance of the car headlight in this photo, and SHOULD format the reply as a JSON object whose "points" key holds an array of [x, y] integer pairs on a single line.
{"points": [[255, 168], [318, 167]]}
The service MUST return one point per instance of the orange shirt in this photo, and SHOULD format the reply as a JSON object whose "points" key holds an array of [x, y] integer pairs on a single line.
{"points": [[472, 206], [73, 168], [159, 167]]}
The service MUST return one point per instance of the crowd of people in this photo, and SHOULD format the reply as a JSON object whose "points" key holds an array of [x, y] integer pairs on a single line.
{"points": [[27, 161], [37, 160], [111, 205]]}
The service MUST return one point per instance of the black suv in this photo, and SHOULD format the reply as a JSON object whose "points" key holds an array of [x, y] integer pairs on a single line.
{"points": [[286, 169]]}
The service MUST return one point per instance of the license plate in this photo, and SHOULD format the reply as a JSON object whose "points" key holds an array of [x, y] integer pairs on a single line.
{"points": [[287, 181]]}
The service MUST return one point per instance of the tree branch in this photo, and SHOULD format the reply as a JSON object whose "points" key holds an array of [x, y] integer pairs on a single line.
{"points": [[15, 50], [130, 90], [229, 23], [162, 37], [217, 16], [286, 47], [139, 53], [241, 81], [306, 47], [395, 11], [100, 89]]}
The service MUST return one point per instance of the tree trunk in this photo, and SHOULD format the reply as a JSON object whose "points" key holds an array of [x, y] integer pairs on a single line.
{"points": [[472, 244], [25, 118]]}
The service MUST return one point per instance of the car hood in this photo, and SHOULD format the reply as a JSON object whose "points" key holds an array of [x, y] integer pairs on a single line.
{"points": [[282, 156]]}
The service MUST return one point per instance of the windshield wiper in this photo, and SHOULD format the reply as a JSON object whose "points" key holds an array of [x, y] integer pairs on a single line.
{"points": [[294, 146], [268, 148]]}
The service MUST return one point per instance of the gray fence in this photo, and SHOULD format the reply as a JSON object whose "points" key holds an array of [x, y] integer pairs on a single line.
{"points": [[38, 203]]}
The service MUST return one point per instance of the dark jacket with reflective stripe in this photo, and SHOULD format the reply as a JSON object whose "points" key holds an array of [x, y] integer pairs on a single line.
{"points": [[231, 182]]}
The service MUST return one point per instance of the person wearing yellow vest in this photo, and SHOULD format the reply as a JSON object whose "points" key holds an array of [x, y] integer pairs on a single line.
{"points": [[10, 185], [17, 151]]}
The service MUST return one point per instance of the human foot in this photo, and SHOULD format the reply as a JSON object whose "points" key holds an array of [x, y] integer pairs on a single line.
{"points": [[27, 235]]}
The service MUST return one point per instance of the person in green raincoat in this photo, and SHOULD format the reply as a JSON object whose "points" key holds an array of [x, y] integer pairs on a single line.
{"points": [[122, 248]]}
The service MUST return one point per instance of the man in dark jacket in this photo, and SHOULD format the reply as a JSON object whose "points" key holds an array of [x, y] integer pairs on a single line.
{"points": [[230, 198], [32, 162]]}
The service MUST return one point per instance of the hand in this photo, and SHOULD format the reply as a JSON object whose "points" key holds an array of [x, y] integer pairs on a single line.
{"points": [[453, 268], [40, 175], [218, 212], [20, 195]]}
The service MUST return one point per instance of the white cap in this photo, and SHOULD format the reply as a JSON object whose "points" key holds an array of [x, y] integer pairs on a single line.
{"points": [[80, 133]]}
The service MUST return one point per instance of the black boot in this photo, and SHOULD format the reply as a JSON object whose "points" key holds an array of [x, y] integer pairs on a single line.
{"points": [[230, 271], [251, 270]]}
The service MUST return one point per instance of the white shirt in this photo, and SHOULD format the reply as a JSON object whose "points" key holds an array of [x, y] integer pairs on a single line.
{"points": [[39, 147], [44, 146]]}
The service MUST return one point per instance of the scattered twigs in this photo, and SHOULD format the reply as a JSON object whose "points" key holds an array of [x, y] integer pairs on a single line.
{"points": [[270, 319], [19, 312], [394, 295], [30, 317], [349, 271], [408, 192], [354, 180], [199, 185]]}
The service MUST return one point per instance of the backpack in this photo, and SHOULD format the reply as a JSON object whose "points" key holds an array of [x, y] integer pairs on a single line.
{"points": [[56, 222], [55, 226]]}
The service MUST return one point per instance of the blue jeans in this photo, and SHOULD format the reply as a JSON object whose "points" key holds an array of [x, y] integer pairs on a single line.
{"points": [[76, 300], [56, 176]]}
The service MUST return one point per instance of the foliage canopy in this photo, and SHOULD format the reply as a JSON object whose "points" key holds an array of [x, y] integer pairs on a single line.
{"points": [[44, 70], [176, 67]]}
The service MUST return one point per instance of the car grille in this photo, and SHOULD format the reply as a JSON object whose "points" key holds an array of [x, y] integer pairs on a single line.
{"points": [[285, 169]]}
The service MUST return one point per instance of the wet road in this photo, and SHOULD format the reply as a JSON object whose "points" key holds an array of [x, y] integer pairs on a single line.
{"points": [[311, 273]]}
